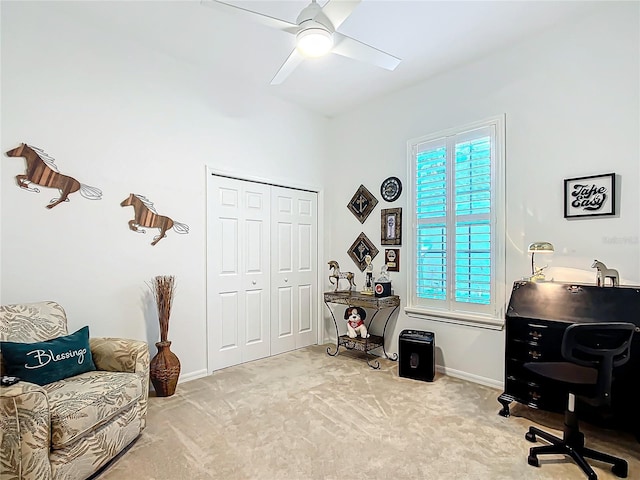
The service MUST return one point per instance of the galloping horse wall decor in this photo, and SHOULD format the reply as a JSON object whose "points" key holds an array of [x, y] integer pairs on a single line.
{"points": [[146, 216], [42, 170]]}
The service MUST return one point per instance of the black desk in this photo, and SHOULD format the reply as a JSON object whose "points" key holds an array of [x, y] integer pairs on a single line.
{"points": [[536, 318]]}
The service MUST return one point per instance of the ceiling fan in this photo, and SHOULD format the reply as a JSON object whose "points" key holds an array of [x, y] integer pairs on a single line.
{"points": [[316, 35]]}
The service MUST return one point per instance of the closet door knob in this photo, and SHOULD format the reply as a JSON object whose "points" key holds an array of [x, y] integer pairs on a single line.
{"points": [[254, 282], [286, 280]]}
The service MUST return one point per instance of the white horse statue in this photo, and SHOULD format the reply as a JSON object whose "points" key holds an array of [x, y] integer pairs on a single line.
{"points": [[338, 275], [604, 273]]}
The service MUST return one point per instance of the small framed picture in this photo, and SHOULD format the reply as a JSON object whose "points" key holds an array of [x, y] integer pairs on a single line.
{"points": [[391, 226], [590, 196], [392, 259], [362, 203], [359, 250]]}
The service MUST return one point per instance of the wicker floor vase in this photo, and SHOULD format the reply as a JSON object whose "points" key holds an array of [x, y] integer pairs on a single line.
{"points": [[164, 370]]}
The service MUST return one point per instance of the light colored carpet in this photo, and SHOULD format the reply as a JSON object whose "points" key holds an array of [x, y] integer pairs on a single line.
{"points": [[306, 415]]}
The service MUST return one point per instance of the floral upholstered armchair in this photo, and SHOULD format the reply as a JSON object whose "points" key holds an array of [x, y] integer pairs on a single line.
{"points": [[71, 427]]}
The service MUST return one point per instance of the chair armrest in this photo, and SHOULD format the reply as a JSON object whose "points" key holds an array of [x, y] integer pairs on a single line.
{"points": [[120, 354], [25, 425], [124, 355]]}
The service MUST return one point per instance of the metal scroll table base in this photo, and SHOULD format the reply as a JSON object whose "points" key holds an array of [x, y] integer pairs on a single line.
{"points": [[358, 343]]}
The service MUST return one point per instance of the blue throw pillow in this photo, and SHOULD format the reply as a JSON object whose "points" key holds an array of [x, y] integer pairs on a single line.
{"points": [[49, 361]]}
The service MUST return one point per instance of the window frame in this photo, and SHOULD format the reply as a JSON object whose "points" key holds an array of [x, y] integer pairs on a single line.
{"points": [[492, 317]]}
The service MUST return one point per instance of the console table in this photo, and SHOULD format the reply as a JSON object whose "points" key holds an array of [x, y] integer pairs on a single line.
{"points": [[536, 318], [354, 299]]}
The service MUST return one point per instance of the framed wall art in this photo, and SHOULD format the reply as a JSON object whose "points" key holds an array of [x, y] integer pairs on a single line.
{"points": [[391, 226], [590, 196], [362, 203], [392, 259], [360, 249]]}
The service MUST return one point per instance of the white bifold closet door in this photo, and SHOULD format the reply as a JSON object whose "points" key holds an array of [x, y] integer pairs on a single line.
{"points": [[294, 272], [262, 274]]}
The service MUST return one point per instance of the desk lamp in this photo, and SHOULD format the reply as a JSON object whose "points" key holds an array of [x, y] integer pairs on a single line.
{"points": [[538, 247]]}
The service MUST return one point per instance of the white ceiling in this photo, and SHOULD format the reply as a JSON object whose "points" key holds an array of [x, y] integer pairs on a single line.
{"points": [[429, 36]]}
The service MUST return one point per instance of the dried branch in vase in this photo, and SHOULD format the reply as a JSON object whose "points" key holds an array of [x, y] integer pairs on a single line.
{"points": [[163, 288]]}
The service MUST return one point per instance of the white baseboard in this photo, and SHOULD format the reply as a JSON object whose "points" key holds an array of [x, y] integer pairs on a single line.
{"points": [[186, 377], [488, 382]]}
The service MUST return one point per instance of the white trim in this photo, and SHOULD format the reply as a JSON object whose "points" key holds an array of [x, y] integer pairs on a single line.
{"points": [[320, 326], [446, 316], [498, 215], [193, 375], [487, 382], [265, 181]]}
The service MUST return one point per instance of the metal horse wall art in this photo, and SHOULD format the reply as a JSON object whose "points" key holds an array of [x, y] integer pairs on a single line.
{"points": [[604, 273], [146, 216], [42, 170]]}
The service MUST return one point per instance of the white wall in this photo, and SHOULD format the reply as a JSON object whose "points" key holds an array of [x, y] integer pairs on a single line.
{"points": [[126, 120], [571, 99]]}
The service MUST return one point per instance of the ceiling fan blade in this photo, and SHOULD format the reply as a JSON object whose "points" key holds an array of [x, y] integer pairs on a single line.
{"points": [[349, 47], [337, 11], [287, 67], [261, 18]]}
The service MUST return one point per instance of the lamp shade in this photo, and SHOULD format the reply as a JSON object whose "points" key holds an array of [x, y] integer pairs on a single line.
{"points": [[314, 41], [540, 247]]}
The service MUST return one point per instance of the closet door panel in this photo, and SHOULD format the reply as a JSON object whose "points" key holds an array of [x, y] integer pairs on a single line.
{"points": [[294, 266], [238, 271]]}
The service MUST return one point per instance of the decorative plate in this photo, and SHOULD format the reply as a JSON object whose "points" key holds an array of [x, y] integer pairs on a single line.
{"points": [[360, 249], [362, 203], [391, 189]]}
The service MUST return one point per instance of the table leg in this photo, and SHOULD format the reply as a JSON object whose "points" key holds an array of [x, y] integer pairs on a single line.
{"points": [[337, 334]]}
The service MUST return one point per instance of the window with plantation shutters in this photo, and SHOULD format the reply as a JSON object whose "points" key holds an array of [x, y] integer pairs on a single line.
{"points": [[458, 224]]}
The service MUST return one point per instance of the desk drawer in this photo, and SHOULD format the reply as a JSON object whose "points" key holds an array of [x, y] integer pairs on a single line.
{"points": [[540, 395], [539, 331], [524, 351], [530, 340]]}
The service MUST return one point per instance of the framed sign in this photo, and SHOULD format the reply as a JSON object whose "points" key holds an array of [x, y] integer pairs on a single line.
{"points": [[362, 203], [360, 249], [392, 259], [590, 196], [391, 226]]}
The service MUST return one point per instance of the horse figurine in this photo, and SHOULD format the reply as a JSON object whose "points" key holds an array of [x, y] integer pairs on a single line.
{"points": [[338, 275], [42, 170], [146, 216], [604, 273]]}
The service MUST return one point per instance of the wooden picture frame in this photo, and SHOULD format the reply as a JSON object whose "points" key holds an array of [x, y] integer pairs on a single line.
{"points": [[392, 259], [362, 203], [391, 226], [360, 249], [591, 196]]}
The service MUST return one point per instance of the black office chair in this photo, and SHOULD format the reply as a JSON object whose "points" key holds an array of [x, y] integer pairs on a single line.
{"points": [[591, 351]]}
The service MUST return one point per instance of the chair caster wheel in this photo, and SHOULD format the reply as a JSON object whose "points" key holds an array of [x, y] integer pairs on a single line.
{"points": [[533, 461], [620, 469], [530, 436]]}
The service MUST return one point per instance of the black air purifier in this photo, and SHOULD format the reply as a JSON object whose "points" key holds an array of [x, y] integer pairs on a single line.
{"points": [[417, 355]]}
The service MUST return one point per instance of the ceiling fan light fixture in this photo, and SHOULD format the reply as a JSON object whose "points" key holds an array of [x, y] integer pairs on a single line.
{"points": [[314, 42]]}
